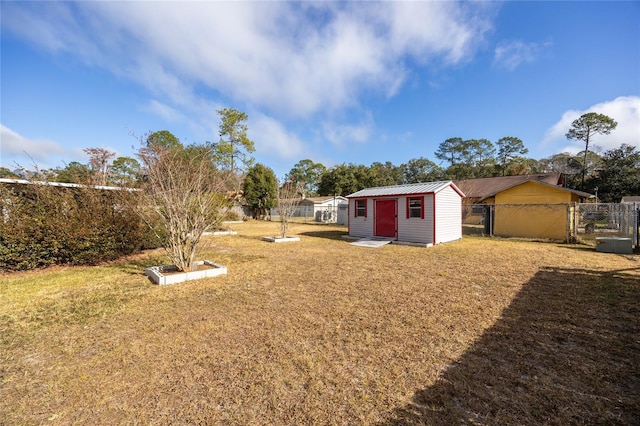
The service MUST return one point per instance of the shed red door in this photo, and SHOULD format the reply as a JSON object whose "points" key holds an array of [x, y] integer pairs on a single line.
{"points": [[386, 218]]}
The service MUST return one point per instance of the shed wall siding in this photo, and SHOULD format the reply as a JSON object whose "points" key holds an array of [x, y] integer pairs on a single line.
{"points": [[360, 227], [415, 229], [448, 215]]}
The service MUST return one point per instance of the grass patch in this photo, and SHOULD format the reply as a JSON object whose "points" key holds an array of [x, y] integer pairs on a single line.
{"points": [[322, 332]]}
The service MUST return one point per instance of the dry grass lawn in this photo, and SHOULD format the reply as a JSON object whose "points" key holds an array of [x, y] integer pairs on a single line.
{"points": [[478, 331]]}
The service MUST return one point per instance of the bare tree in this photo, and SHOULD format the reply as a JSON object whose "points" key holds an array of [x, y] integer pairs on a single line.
{"points": [[184, 195], [289, 196], [99, 162]]}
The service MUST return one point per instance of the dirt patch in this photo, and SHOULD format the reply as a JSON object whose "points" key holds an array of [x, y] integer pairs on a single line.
{"points": [[175, 271]]}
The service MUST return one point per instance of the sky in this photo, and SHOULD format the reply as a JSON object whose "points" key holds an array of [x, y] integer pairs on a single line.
{"points": [[333, 82]]}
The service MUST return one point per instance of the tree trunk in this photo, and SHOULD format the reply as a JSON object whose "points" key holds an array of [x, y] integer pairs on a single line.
{"points": [[584, 161]]}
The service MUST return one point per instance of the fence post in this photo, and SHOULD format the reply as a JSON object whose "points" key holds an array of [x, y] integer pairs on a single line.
{"points": [[486, 217], [572, 223], [568, 229], [492, 213], [637, 228]]}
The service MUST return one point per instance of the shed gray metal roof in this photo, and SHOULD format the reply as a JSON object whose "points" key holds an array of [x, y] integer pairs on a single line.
{"points": [[413, 188]]}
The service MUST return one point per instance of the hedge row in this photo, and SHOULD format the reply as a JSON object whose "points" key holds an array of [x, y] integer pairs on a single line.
{"points": [[44, 225]]}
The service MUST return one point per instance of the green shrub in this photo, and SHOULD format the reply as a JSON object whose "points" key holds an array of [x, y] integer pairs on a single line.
{"points": [[232, 216], [43, 225]]}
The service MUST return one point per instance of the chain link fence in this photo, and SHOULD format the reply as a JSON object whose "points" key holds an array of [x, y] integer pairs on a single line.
{"points": [[618, 220], [558, 222], [332, 214]]}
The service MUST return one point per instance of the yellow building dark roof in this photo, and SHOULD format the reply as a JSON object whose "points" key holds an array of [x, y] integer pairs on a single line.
{"points": [[581, 194], [487, 187]]}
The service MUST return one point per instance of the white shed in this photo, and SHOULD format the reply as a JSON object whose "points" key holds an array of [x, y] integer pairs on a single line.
{"points": [[422, 213], [325, 209], [328, 209]]}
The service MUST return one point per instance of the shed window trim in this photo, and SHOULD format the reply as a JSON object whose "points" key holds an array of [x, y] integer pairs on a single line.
{"points": [[415, 207], [360, 209]]}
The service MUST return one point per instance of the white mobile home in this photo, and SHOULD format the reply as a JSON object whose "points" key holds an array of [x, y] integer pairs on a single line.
{"points": [[421, 213]]}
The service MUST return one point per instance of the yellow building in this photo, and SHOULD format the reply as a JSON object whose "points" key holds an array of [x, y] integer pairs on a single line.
{"points": [[534, 209], [480, 192]]}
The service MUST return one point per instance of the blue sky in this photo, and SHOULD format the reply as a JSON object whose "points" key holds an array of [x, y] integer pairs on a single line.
{"points": [[335, 82]]}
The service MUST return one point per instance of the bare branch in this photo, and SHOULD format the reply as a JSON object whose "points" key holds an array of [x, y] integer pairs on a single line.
{"points": [[185, 195], [289, 196]]}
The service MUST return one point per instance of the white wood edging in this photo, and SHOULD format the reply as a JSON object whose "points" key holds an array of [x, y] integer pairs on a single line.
{"points": [[157, 273]]}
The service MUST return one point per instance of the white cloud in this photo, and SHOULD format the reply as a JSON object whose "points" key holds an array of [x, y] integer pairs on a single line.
{"points": [[304, 61], [292, 58], [270, 136], [15, 148], [513, 53], [625, 110], [343, 134], [23, 151], [165, 111], [430, 29]]}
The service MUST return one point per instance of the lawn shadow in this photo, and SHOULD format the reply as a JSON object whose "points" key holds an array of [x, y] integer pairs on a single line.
{"points": [[566, 351], [138, 266], [577, 247], [331, 235], [588, 247], [253, 237]]}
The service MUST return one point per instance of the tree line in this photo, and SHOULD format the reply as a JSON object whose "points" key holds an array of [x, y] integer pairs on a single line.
{"points": [[613, 173]]}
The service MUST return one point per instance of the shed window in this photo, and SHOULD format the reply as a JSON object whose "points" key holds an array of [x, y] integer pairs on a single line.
{"points": [[361, 208], [415, 207]]}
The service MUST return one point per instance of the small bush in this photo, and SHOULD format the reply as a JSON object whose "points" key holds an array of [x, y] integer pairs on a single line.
{"points": [[232, 216]]}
